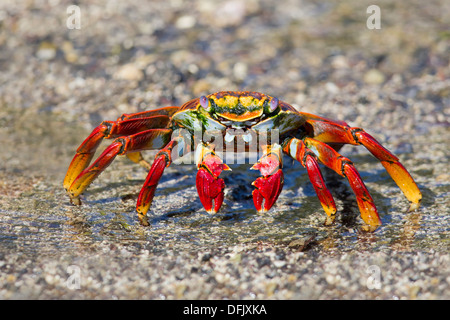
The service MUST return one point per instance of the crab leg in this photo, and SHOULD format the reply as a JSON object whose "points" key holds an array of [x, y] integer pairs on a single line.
{"points": [[297, 149], [269, 186], [339, 132], [209, 186], [162, 160], [146, 140], [344, 167], [109, 130]]}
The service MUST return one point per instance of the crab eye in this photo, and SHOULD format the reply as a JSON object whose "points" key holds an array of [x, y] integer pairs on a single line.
{"points": [[273, 104], [204, 102]]}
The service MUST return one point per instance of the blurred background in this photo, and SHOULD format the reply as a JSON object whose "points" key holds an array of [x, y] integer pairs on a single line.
{"points": [[58, 83]]}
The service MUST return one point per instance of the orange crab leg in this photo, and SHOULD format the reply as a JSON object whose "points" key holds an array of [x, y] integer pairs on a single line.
{"points": [[344, 167], [109, 130], [209, 186], [392, 165], [146, 140], [339, 132], [297, 149], [269, 186]]}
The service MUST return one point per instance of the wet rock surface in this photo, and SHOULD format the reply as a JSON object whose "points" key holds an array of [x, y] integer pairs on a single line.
{"points": [[57, 84]]}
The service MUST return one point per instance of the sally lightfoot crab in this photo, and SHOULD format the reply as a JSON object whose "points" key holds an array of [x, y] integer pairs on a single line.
{"points": [[219, 124]]}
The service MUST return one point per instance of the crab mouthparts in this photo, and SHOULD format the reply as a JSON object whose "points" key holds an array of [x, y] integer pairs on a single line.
{"points": [[237, 135]]}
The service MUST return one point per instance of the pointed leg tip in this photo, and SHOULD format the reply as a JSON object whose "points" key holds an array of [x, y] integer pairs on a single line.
{"points": [[76, 201], [329, 220], [142, 216], [413, 206], [368, 228], [143, 221]]}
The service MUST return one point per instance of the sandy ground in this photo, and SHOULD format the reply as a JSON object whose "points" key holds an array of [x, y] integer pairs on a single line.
{"points": [[57, 83]]}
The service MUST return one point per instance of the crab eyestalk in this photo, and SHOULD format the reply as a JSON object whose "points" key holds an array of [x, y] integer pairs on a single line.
{"points": [[209, 186], [269, 186]]}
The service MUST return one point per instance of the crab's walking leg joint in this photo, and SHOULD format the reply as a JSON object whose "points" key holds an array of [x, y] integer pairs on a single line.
{"points": [[209, 186], [146, 140], [162, 160], [269, 186], [297, 149], [109, 130], [344, 167], [339, 132]]}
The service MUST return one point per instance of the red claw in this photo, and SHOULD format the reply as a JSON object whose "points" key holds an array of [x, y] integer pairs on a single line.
{"points": [[269, 186], [268, 164], [267, 191], [210, 190], [209, 186]]}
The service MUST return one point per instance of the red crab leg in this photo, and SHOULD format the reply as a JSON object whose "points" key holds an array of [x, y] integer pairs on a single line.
{"points": [[136, 157], [146, 140], [209, 186], [269, 186], [108, 130], [162, 160], [297, 149], [343, 166], [339, 132]]}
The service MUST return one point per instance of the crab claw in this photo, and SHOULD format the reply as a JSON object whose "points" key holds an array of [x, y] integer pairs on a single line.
{"points": [[269, 186], [267, 191], [209, 186], [267, 165]]}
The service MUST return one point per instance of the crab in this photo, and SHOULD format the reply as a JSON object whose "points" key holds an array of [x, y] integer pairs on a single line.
{"points": [[220, 123]]}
